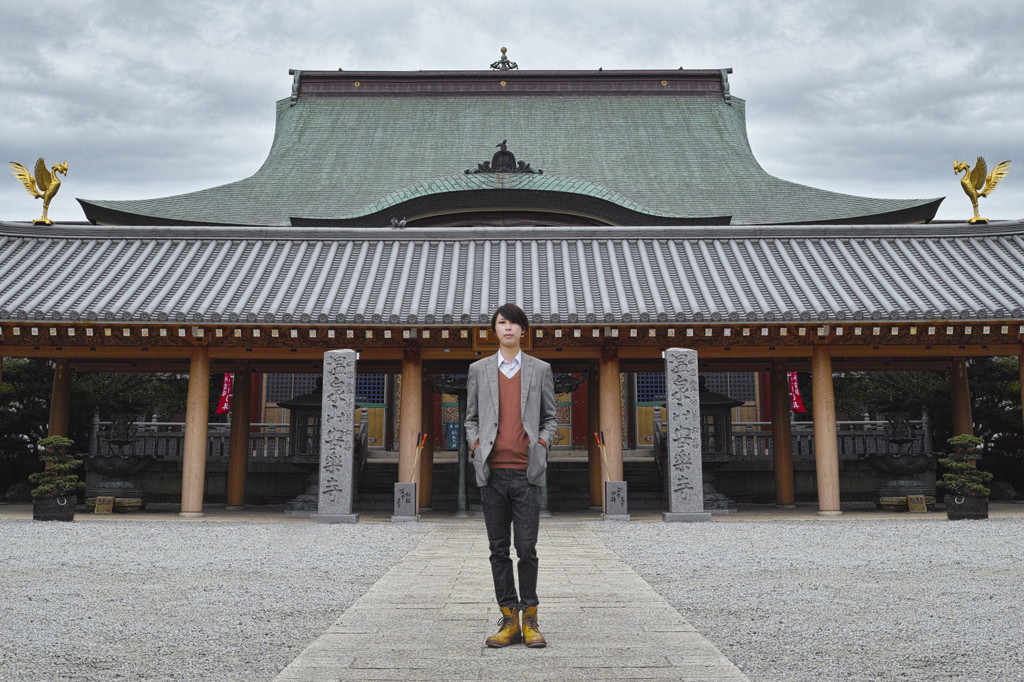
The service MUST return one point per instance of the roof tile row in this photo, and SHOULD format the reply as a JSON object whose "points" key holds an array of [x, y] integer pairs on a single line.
{"points": [[584, 277]]}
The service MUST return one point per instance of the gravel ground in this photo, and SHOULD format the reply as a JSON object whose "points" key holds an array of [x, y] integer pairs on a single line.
{"points": [[831, 600], [179, 601]]}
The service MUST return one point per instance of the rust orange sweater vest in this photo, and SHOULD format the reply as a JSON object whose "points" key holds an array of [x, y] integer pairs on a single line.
{"points": [[512, 445]]}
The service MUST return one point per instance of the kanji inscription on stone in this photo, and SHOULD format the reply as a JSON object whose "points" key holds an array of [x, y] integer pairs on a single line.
{"points": [[615, 501], [337, 430], [405, 502], [682, 401]]}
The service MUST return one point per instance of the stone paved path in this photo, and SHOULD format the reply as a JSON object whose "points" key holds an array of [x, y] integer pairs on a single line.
{"points": [[427, 619]]}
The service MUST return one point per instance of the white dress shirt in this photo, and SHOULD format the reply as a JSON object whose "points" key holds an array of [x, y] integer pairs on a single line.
{"points": [[507, 368]]}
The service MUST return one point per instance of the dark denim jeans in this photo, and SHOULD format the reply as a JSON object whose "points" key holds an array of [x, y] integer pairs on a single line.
{"points": [[509, 500]]}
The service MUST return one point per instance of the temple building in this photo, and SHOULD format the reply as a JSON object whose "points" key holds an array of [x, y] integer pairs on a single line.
{"points": [[622, 210]]}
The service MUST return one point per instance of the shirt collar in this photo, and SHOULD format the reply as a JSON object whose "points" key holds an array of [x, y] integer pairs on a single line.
{"points": [[518, 360]]}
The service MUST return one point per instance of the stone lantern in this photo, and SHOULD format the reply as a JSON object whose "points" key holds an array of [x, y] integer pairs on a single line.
{"points": [[304, 445], [716, 444], [715, 424]]}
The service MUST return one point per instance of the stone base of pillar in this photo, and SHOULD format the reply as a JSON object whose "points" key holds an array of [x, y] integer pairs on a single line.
{"points": [[335, 518], [830, 513], [785, 506], [402, 519], [685, 517], [615, 517], [234, 507], [191, 515]]}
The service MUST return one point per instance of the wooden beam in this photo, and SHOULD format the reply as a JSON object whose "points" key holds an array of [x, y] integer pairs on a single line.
{"points": [[1020, 362], [426, 472], [238, 457], [963, 422], [611, 414], [60, 399], [782, 437], [826, 443], [410, 420], [193, 475], [594, 425]]}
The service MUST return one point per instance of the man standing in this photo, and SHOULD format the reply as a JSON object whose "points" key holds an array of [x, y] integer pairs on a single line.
{"points": [[510, 420]]}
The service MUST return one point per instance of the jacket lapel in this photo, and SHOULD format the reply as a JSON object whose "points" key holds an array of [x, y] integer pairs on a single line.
{"points": [[492, 384], [527, 370]]}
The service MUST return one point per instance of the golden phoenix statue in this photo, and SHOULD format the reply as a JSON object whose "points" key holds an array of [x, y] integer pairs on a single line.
{"points": [[44, 186], [977, 184]]}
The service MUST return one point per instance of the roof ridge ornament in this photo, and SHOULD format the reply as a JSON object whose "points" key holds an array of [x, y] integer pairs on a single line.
{"points": [[504, 64], [504, 161]]}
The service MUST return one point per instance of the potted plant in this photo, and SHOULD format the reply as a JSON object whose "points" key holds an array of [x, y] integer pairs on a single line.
{"points": [[54, 498], [964, 483]]}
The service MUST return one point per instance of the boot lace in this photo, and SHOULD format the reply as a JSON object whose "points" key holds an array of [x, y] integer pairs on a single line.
{"points": [[530, 621], [505, 622]]}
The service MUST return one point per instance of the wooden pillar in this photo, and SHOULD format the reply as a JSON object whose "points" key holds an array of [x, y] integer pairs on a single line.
{"points": [[426, 474], [630, 420], [411, 419], [782, 437], [826, 443], [60, 399], [764, 395], [963, 422], [238, 459], [197, 407], [593, 426], [1020, 360], [389, 412], [611, 413]]}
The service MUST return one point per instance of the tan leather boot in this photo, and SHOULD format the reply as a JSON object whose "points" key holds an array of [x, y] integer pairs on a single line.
{"points": [[509, 632], [530, 632]]}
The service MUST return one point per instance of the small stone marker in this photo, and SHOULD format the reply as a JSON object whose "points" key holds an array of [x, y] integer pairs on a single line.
{"points": [[615, 501], [104, 505], [916, 503], [405, 503]]}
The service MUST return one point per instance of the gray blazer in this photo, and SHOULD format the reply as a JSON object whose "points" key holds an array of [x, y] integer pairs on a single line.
{"points": [[538, 407]]}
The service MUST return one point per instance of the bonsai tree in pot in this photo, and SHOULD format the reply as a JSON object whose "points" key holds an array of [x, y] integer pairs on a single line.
{"points": [[53, 497], [964, 483]]}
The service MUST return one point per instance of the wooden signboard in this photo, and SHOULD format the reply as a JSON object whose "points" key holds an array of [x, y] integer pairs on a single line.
{"points": [[916, 503], [104, 505]]}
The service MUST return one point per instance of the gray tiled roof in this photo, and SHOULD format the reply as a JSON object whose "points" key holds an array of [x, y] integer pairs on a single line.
{"points": [[682, 156], [558, 275]]}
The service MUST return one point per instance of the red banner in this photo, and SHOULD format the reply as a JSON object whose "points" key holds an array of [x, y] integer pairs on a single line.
{"points": [[795, 401], [225, 394]]}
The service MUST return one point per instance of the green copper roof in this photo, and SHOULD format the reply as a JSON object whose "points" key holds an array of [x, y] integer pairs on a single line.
{"points": [[484, 181], [347, 156]]}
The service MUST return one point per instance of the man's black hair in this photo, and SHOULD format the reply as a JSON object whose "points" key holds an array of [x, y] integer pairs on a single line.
{"points": [[512, 313]]}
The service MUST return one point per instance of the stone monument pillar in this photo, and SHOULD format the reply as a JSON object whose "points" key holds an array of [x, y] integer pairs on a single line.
{"points": [[337, 438], [682, 400]]}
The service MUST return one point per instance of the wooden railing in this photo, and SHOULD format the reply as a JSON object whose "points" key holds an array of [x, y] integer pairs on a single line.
{"points": [[166, 440], [752, 441]]}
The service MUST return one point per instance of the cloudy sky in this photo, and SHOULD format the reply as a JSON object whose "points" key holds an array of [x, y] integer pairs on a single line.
{"points": [[156, 98]]}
